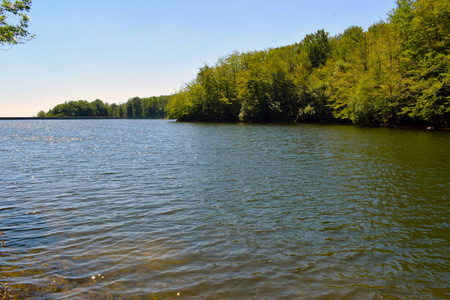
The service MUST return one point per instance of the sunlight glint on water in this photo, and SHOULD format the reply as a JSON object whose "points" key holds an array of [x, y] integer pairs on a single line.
{"points": [[139, 208]]}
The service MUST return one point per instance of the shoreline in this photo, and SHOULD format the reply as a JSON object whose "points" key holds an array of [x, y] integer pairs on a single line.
{"points": [[418, 127], [74, 118]]}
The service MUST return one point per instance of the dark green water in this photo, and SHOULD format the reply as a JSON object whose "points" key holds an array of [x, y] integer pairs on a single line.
{"points": [[120, 209]]}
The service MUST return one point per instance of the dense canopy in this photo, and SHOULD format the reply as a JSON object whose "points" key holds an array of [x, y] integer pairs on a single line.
{"points": [[151, 107], [395, 73]]}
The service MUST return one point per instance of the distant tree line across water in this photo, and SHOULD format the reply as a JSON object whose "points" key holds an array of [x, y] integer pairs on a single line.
{"points": [[396, 73], [151, 107]]}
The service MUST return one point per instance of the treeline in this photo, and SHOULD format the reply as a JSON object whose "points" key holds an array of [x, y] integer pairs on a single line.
{"points": [[395, 73], [151, 107]]}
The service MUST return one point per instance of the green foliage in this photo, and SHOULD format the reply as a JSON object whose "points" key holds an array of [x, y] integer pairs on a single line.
{"points": [[41, 114], [318, 47], [129, 108], [260, 86], [15, 32], [101, 110], [79, 108], [114, 110], [314, 96], [153, 107], [423, 29], [180, 105], [136, 105], [356, 91], [395, 73]]}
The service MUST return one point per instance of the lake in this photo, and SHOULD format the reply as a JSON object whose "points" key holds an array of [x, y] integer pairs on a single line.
{"points": [[155, 209]]}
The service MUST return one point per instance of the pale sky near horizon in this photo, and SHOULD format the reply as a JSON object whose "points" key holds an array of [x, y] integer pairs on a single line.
{"points": [[114, 50]]}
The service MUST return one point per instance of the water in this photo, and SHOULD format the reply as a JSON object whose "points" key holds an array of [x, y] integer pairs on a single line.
{"points": [[154, 209]]}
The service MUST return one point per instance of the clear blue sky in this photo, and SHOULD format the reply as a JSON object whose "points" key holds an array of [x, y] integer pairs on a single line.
{"points": [[114, 50]]}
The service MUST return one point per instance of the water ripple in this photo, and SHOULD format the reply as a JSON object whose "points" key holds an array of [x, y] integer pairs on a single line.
{"points": [[144, 209]]}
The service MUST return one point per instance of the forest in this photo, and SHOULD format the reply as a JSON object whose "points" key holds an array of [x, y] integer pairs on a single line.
{"points": [[397, 73], [394, 74], [151, 107]]}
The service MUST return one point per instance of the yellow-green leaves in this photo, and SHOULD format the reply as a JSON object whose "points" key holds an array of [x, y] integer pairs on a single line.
{"points": [[14, 22]]}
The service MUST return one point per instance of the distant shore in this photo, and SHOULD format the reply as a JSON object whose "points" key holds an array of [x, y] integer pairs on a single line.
{"points": [[70, 118]]}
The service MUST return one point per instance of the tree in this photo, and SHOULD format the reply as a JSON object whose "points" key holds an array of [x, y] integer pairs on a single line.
{"points": [[12, 33], [114, 110], [137, 107], [101, 108], [424, 32], [319, 48], [122, 110], [361, 85], [41, 114], [129, 109], [253, 88], [153, 107]]}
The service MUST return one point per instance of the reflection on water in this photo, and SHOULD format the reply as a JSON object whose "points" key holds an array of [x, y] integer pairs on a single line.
{"points": [[139, 209]]}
